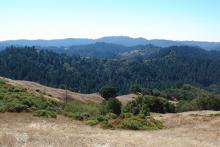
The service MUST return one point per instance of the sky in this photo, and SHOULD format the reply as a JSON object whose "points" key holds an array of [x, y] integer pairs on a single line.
{"points": [[197, 20]]}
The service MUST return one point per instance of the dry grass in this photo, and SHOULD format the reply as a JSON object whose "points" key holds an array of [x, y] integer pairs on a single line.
{"points": [[59, 94], [124, 99], [197, 129], [55, 93]]}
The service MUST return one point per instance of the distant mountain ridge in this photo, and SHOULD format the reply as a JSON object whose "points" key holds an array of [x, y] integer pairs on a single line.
{"points": [[120, 40]]}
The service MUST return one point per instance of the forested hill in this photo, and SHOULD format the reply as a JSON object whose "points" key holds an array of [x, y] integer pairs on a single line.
{"points": [[167, 67], [106, 50]]}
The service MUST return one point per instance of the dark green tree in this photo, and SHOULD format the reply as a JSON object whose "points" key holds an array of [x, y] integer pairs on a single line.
{"points": [[108, 91], [113, 105]]}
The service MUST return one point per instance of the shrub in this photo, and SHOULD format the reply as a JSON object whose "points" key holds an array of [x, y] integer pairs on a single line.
{"points": [[85, 115], [102, 118], [132, 107], [14, 105], [146, 104], [111, 116], [135, 89], [126, 115], [2, 109], [140, 122], [131, 123], [113, 105], [45, 113], [108, 92], [92, 122], [155, 92], [204, 103], [106, 125]]}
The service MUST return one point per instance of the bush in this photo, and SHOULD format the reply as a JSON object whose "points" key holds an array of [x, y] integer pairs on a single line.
{"points": [[85, 115], [204, 103], [45, 113], [133, 124], [155, 92], [102, 118], [2, 109], [135, 89], [92, 122], [113, 105], [14, 105], [126, 115], [106, 125], [140, 123], [108, 92], [146, 104], [111, 116]]}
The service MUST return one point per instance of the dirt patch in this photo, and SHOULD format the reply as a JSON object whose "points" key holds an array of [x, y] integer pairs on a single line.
{"points": [[124, 99]]}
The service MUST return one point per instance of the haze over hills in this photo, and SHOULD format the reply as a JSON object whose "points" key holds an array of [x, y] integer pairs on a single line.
{"points": [[120, 40]]}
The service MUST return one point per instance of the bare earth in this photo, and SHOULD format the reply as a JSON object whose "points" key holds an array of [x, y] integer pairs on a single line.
{"points": [[197, 129]]}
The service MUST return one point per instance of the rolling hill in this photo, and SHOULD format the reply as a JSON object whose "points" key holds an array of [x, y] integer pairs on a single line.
{"points": [[166, 67], [120, 40]]}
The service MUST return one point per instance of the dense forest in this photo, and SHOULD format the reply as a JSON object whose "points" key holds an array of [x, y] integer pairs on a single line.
{"points": [[164, 68]]}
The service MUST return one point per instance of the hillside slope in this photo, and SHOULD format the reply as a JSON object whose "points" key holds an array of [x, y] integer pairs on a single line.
{"points": [[55, 93]]}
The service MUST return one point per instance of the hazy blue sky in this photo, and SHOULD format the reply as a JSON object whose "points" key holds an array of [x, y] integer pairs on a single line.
{"points": [[161, 19]]}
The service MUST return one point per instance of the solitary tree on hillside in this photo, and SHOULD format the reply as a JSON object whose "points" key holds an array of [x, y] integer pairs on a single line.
{"points": [[108, 92]]}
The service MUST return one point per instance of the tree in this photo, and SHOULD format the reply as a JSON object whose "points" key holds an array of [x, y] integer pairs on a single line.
{"points": [[135, 89], [113, 105], [108, 92]]}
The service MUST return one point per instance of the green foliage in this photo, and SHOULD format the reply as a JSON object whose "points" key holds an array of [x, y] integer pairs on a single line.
{"points": [[15, 99], [140, 123], [102, 118], [170, 66], [203, 103], [146, 104], [113, 105], [16, 107], [106, 124], [155, 92], [87, 109], [2, 81], [111, 116], [126, 115], [45, 113], [135, 89], [185, 92], [108, 92], [92, 122]]}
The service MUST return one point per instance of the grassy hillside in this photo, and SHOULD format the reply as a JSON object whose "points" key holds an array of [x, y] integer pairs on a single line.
{"points": [[18, 99], [134, 114]]}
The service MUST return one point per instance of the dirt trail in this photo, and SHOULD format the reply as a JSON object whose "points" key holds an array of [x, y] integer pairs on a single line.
{"points": [[191, 129]]}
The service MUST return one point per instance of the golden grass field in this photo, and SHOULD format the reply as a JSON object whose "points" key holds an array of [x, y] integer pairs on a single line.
{"points": [[189, 129]]}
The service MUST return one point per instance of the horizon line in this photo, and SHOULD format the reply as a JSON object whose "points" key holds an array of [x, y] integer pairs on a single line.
{"points": [[47, 39]]}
